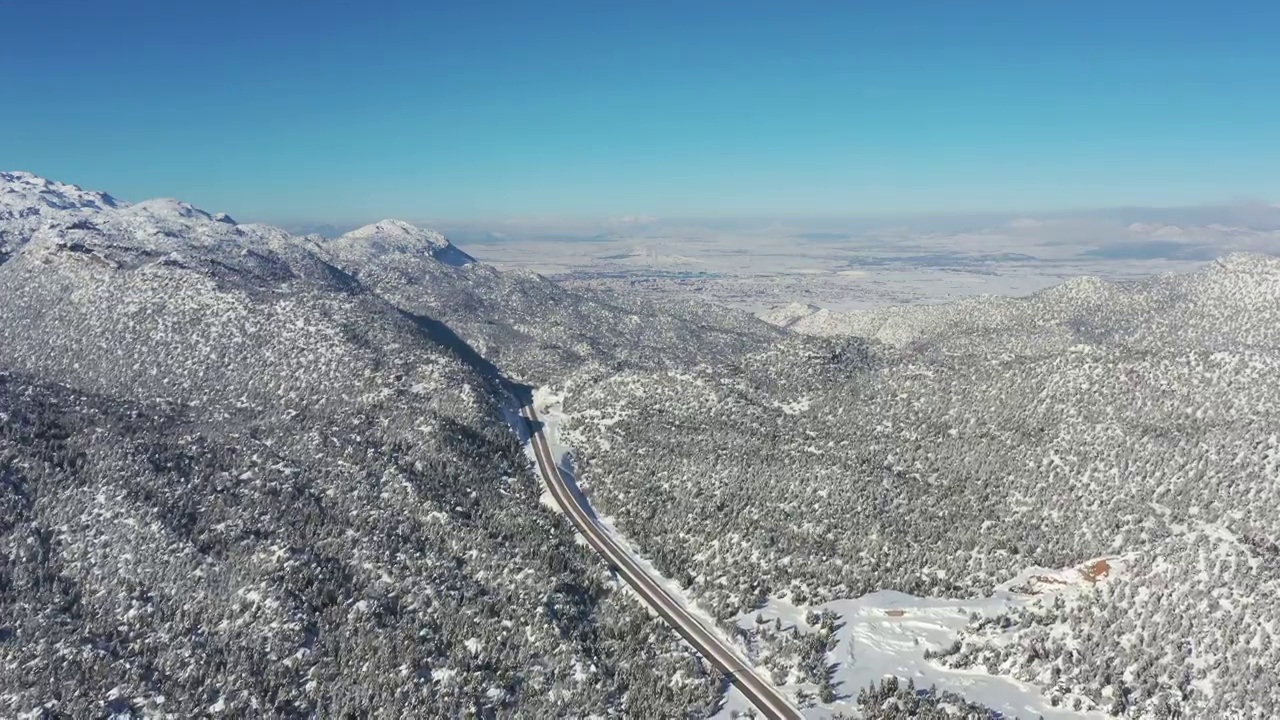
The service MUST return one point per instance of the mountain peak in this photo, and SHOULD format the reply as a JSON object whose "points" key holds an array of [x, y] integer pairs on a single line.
{"points": [[168, 208], [391, 229], [24, 194], [398, 236]]}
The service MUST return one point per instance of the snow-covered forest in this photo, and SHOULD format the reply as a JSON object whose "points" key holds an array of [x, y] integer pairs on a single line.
{"points": [[233, 480], [251, 473], [941, 451]]}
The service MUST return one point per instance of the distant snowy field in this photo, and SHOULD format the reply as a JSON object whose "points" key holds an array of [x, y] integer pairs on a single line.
{"points": [[861, 264]]}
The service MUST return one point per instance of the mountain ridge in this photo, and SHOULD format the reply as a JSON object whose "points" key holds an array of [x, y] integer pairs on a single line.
{"points": [[301, 447], [235, 479]]}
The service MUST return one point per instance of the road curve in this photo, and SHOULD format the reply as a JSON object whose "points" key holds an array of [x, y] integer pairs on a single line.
{"points": [[766, 698]]}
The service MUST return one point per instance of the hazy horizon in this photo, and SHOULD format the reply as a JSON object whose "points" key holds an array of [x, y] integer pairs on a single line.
{"points": [[1255, 215]]}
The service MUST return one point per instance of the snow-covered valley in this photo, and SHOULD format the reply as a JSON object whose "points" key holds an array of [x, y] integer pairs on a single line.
{"points": [[885, 634], [953, 453], [1057, 506]]}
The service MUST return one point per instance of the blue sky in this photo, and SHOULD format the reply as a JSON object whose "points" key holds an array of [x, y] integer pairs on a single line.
{"points": [[328, 111]]}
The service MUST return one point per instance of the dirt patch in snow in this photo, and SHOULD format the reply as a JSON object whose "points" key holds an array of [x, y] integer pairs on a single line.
{"points": [[1095, 571]]}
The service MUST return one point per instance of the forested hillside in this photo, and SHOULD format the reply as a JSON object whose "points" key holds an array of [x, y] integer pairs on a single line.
{"points": [[232, 480], [965, 444], [248, 473], [533, 329]]}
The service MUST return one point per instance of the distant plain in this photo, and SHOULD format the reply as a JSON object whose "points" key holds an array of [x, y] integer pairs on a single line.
{"points": [[858, 263]]}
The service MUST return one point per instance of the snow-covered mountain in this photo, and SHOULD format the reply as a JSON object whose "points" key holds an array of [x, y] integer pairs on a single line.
{"points": [[532, 328], [233, 479], [1231, 296], [397, 236], [299, 448], [1118, 437], [25, 195], [27, 202]]}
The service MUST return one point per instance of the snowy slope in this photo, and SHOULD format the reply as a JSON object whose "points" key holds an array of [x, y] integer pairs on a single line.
{"points": [[28, 202], [1218, 305], [23, 195], [397, 236], [788, 315], [968, 442], [531, 328], [208, 425]]}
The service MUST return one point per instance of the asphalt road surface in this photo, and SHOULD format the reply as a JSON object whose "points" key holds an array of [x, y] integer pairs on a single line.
{"points": [[766, 698]]}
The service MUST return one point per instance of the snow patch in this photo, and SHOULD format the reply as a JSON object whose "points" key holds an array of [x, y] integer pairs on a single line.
{"points": [[887, 633]]}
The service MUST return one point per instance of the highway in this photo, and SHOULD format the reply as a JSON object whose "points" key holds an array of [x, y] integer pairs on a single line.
{"points": [[766, 698]]}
